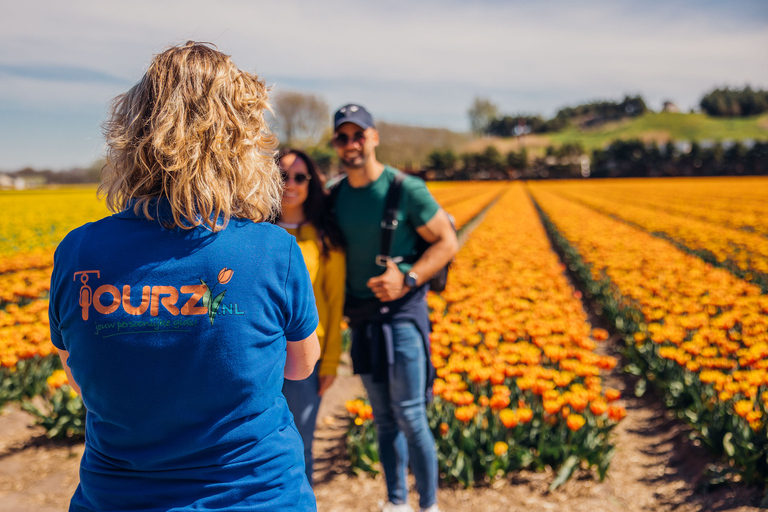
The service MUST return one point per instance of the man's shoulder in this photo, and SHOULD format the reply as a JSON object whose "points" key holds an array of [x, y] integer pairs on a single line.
{"points": [[410, 181]]}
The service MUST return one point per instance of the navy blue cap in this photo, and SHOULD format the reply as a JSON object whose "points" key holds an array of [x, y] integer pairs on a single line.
{"points": [[352, 114]]}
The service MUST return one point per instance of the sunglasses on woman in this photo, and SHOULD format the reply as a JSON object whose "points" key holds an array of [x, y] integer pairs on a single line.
{"points": [[342, 139], [298, 178]]}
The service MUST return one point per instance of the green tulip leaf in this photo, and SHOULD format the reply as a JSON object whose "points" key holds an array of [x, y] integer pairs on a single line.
{"points": [[565, 472], [728, 445], [207, 296], [215, 305]]}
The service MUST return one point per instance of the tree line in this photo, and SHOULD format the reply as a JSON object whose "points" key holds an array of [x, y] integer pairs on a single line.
{"points": [[485, 119], [623, 158], [735, 102]]}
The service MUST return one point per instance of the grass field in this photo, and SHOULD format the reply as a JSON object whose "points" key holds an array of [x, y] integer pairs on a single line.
{"points": [[658, 127], [661, 127]]}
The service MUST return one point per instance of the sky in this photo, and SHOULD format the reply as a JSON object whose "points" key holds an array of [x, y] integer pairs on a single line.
{"points": [[412, 62]]}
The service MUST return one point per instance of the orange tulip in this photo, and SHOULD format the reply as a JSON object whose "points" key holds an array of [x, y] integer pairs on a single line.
{"points": [[575, 421], [500, 448], [525, 415], [225, 275], [508, 418], [598, 407], [57, 379], [616, 412], [499, 402]]}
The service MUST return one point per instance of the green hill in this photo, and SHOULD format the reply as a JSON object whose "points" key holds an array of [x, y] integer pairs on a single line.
{"points": [[661, 127]]}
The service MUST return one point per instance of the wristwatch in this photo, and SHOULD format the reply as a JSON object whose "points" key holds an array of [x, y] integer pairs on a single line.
{"points": [[410, 279]]}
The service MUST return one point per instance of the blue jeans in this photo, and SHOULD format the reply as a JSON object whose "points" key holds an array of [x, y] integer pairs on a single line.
{"points": [[304, 402], [400, 415]]}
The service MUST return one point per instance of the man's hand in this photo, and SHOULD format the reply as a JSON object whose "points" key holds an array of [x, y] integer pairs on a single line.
{"points": [[389, 285], [325, 382]]}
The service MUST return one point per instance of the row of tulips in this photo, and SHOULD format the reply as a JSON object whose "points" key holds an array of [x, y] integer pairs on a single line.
{"points": [[738, 203], [697, 331], [24, 286], [742, 252], [471, 202], [27, 356], [449, 193], [519, 379]]}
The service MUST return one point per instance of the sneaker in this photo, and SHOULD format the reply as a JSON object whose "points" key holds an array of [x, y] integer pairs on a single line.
{"points": [[433, 508], [391, 507]]}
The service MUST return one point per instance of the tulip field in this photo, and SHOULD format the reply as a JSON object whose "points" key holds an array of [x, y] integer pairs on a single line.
{"points": [[679, 268], [695, 329], [33, 223]]}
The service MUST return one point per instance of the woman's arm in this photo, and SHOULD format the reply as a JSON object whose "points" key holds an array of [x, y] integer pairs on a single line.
{"points": [[64, 355], [301, 358]]}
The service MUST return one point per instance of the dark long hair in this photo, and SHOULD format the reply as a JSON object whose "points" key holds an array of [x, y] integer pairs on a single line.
{"points": [[315, 207]]}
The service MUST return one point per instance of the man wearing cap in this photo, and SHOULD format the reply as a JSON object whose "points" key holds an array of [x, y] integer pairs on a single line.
{"points": [[385, 301]]}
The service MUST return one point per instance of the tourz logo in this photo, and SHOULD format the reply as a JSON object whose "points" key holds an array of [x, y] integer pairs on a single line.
{"points": [[108, 298]]}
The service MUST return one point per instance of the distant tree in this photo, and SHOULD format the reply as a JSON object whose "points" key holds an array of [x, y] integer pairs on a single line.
{"points": [[491, 158], [518, 160], [569, 150], [735, 102], [510, 126], [756, 159], [324, 157], [442, 160], [484, 165], [303, 118], [481, 113], [598, 112]]}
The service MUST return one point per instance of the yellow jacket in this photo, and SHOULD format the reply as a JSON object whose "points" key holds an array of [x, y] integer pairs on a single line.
{"points": [[328, 276]]}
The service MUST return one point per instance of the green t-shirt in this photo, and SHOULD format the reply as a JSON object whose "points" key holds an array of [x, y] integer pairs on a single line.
{"points": [[359, 212]]}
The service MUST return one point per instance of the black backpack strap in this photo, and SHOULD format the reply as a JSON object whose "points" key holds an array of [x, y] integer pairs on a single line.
{"points": [[333, 194], [389, 222]]}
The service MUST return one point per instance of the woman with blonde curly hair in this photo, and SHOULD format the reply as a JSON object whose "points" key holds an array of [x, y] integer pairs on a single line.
{"points": [[178, 317]]}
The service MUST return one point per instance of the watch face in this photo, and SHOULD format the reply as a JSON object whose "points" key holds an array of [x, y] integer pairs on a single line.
{"points": [[410, 280]]}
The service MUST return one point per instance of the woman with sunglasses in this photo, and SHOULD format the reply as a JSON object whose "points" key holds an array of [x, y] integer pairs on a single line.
{"points": [[303, 215]]}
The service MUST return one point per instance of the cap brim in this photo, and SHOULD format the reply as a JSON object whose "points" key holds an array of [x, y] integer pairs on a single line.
{"points": [[342, 121]]}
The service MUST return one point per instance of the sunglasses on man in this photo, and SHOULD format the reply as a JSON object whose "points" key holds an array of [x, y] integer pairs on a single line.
{"points": [[341, 140], [298, 178]]}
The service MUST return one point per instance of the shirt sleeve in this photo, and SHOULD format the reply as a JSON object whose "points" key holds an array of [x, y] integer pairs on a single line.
{"points": [[420, 205], [53, 313], [300, 310], [334, 270]]}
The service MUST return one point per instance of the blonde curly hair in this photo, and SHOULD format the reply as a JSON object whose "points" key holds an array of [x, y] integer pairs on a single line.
{"points": [[192, 131]]}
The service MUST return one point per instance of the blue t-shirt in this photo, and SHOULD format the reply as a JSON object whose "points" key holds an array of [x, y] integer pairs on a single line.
{"points": [[177, 339]]}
